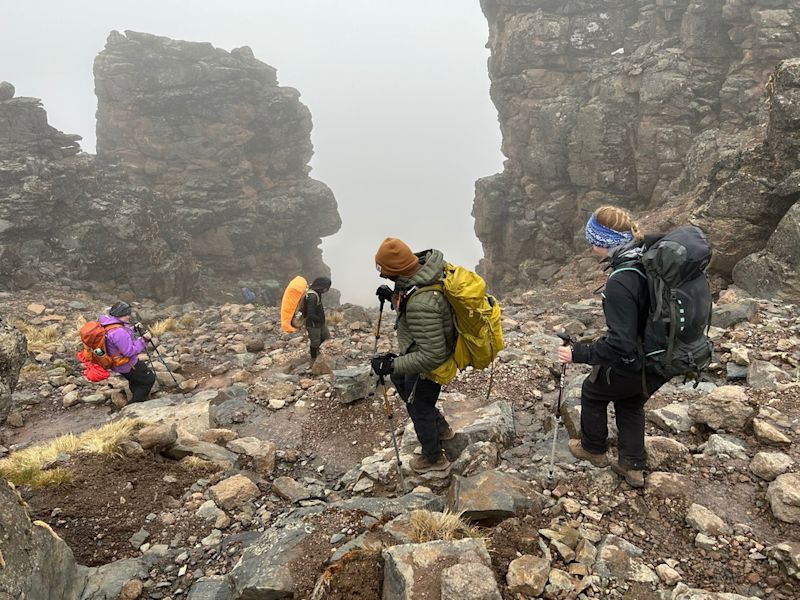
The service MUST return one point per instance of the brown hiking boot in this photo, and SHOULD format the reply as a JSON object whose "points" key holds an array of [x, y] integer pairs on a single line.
{"points": [[420, 464], [598, 460], [634, 478], [447, 434]]}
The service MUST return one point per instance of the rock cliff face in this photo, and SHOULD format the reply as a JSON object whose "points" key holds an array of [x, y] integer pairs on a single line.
{"points": [[752, 190], [629, 102], [66, 218], [225, 146]]}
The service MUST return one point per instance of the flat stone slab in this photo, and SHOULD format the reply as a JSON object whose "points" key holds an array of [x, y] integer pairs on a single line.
{"points": [[189, 413], [618, 559], [673, 418], [263, 569], [205, 450], [388, 508], [491, 495]]}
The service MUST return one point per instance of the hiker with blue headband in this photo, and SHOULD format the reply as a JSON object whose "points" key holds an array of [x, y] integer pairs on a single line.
{"points": [[617, 375]]}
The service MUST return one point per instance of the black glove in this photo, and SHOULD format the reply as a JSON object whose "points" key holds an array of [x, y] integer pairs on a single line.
{"points": [[384, 294], [383, 364]]}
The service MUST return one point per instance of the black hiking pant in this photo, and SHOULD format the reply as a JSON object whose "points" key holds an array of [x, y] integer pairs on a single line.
{"points": [[420, 396], [140, 380], [627, 394]]}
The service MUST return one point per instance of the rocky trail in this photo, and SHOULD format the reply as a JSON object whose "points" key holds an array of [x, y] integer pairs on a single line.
{"points": [[262, 479]]}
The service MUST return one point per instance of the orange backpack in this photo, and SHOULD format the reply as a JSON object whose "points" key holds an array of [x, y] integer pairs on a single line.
{"points": [[93, 336]]}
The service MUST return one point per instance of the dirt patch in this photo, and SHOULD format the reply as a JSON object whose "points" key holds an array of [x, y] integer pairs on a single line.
{"points": [[511, 539], [315, 551], [660, 530], [110, 498], [359, 574]]}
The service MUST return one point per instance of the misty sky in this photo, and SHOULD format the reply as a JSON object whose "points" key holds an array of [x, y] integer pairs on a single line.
{"points": [[398, 90]]}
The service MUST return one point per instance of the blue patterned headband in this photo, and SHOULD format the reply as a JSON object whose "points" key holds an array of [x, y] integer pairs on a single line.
{"points": [[603, 237]]}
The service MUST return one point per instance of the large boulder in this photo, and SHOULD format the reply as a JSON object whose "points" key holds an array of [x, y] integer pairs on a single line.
{"points": [[353, 383], [491, 496], [36, 563], [773, 271], [604, 102], [724, 408], [784, 497], [263, 569], [189, 414], [13, 352]]}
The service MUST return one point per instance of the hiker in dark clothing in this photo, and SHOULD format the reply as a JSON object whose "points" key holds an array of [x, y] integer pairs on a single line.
{"points": [[426, 334], [122, 341], [617, 359], [314, 314]]}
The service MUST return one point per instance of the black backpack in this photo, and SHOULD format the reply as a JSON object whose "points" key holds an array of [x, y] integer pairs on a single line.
{"points": [[676, 338]]}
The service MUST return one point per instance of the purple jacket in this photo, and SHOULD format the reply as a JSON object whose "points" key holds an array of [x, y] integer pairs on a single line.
{"points": [[122, 341]]}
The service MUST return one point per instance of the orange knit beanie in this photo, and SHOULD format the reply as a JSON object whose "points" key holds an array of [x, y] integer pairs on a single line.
{"points": [[394, 257]]}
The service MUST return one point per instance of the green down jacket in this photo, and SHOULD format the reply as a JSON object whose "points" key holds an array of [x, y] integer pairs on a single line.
{"points": [[425, 328]]}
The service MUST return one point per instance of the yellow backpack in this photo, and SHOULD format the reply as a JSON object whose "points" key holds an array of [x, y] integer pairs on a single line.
{"points": [[477, 321]]}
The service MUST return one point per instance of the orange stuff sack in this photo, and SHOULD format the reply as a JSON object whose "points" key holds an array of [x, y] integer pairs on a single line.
{"points": [[291, 304]]}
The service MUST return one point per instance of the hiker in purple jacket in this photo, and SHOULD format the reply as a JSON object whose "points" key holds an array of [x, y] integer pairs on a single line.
{"points": [[124, 341]]}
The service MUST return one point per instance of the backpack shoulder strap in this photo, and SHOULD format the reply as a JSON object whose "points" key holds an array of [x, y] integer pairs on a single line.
{"points": [[635, 266]]}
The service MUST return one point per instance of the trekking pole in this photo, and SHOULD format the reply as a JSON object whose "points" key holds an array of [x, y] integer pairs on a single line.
{"points": [[378, 328], [390, 420], [141, 331], [556, 416]]}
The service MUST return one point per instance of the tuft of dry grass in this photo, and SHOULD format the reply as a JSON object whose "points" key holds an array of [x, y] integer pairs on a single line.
{"points": [[427, 526], [334, 317], [187, 321], [29, 466], [161, 327], [39, 338]]}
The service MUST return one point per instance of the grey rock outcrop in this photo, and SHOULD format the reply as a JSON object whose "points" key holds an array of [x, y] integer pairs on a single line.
{"points": [[227, 148], [773, 272], [36, 563], [62, 211], [636, 104], [13, 352]]}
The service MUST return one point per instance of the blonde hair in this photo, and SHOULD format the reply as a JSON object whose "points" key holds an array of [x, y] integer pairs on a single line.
{"points": [[618, 219]]}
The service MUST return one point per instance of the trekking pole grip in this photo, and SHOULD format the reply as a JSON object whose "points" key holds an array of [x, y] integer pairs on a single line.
{"points": [[566, 340]]}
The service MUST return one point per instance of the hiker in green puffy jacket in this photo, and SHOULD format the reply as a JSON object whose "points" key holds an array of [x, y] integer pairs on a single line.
{"points": [[426, 334]]}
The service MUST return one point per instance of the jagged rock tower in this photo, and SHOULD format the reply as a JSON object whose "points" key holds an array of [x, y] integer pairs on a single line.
{"points": [[224, 146]]}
